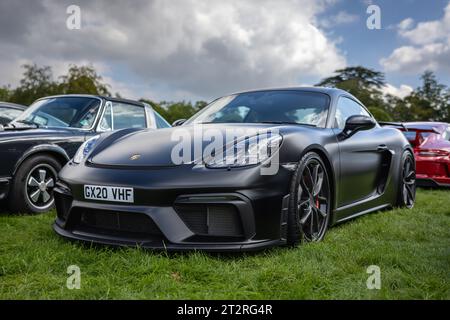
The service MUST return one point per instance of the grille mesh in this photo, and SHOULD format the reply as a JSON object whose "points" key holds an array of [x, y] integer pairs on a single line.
{"points": [[212, 220], [128, 222]]}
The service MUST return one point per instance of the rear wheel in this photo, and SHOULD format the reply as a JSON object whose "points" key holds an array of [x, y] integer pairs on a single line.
{"points": [[32, 187], [407, 181], [310, 201]]}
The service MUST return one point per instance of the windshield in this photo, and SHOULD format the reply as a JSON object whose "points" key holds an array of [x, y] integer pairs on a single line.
{"points": [[9, 113], [74, 112], [276, 106]]}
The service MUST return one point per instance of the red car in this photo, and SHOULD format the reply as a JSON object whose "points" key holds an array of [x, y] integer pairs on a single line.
{"points": [[431, 143]]}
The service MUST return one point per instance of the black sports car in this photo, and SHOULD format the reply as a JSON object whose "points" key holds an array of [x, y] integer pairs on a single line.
{"points": [[35, 146], [10, 111], [299, 160]]}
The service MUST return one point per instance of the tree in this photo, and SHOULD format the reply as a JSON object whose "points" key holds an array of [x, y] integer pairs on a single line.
{"points": [[432, 99], [363, 83], [380, 114], [83, 80], [157, 107], [5, 93], [35, 83], [363, 78], [172, 111], [178, 110]]}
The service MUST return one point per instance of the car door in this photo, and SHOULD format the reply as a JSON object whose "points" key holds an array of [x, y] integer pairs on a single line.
{"points": [[361, 155]]}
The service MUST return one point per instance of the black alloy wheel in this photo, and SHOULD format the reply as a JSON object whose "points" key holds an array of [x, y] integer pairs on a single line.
{"points": [[310, 201], [407, 194]]}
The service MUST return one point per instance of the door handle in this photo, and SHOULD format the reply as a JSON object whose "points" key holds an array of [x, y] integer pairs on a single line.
{"points": [[382, 147]]}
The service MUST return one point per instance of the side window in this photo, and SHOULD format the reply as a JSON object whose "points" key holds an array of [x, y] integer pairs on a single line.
{"points": [[119, 115], [160, 121], [346, 108], [128, 116]]}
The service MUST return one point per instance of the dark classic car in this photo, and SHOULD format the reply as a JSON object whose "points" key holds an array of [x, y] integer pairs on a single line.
{"points": [[10, 111], [37, 144]]}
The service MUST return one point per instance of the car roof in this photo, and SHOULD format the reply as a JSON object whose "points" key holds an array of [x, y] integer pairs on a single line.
{"points": [[12, 105], [95, 96], [327, 90]]}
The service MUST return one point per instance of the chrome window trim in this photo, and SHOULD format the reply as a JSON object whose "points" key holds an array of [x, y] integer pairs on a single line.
{"points": [[150, 115], [99, 129]]}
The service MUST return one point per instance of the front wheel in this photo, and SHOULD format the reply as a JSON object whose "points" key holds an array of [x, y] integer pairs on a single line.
{"points": [[310, 201], [32, 188], [407, 181]]}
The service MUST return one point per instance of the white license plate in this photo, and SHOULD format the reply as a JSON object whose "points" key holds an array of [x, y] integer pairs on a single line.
{"points": [[105, 193]]}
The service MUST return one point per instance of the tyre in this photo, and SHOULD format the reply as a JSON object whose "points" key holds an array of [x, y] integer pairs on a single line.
{"points": [[33, 183], [406, 196], [310, 201]]}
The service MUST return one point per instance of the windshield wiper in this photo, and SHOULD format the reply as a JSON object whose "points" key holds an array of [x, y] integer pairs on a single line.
{"points": [[290, 122]]}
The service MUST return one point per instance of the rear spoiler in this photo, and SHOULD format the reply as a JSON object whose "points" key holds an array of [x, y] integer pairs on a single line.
{"points": [[405, 127], [393, 124]]}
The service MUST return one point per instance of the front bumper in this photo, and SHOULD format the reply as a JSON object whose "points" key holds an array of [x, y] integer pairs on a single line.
{"points": [[249, 216]]}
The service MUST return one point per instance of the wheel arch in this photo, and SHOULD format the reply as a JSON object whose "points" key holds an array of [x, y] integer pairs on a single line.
{"points": [[52, 150], [324, 155]]}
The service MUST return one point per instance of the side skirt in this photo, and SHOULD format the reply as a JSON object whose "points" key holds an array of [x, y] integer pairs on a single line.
{"points": [[378, 208]]}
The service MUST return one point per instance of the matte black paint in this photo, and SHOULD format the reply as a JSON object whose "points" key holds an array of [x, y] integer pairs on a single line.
{"points": [[363, 170]]}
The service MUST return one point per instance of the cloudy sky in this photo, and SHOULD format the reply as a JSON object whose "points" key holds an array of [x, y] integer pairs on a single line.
{"points": [[200, 49]]}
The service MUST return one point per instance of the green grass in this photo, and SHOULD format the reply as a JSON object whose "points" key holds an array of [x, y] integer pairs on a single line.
{"points": [[412, 248]]}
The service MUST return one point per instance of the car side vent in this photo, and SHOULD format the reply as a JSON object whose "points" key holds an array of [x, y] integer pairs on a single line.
{"points": [[211, 220]]}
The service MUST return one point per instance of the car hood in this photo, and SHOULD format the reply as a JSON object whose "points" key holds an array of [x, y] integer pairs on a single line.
{"points": [[154, 147]]}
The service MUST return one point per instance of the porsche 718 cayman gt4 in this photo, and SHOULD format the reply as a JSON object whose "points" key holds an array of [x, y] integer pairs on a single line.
{"points": [[327, 160]]}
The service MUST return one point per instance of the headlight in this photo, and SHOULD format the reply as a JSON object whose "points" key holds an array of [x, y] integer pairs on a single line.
{"points": [[85, 149], [250, 151]]}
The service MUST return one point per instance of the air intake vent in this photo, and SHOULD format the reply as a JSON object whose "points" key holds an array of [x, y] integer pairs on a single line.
{"points": [[119, 222], [211, 220]]}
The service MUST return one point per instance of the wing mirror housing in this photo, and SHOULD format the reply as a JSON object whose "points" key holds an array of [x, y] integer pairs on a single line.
{"points": [[358, 123], [178, 122]]}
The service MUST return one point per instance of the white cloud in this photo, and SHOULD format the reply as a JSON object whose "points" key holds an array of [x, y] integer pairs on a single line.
{"points": [[198, 47], [428, 48], [342, 17], [406, 24], [401, 92]]}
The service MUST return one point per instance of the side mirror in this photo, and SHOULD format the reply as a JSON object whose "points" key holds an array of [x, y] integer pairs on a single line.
{"points": [[178, 122], [358, 123]]}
